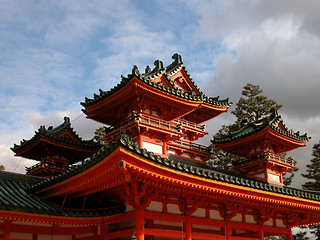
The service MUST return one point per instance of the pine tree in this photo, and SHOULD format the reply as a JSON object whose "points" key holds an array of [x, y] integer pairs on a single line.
{"points": [[313, 174], [251, 107], [300, 236]]}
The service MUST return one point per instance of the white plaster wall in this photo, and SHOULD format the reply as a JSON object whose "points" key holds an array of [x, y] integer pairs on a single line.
{"points": [[237, 218], [172, 208], [214, 214], [152, 147], [16, 235], [269, 222], [155, 206], [129, 208], [201, 212], [172, 152], [250, 219], [273, 177], [279, 223], [186, 155]]}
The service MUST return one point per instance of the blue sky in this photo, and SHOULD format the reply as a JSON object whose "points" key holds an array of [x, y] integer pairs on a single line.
{"points": [[53, 54]]}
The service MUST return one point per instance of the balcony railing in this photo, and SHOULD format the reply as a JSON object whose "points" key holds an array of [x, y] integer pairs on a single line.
{"points": [[46, 164], [188, 124], [191, 146], [269, 157], [175, 125]]}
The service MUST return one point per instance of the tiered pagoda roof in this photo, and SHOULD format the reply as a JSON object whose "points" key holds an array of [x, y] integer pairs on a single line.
{"points": [[14, 196], [270, 128], [60, 137], [171, 84]]}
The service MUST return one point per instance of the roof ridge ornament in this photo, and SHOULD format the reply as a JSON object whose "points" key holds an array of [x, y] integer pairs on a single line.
{"points": [[135, 70], [177, 58], [147, 70], [158, 65]]}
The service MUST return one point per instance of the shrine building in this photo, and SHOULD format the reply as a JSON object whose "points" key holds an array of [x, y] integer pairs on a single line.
{"points": [[146, 178]]}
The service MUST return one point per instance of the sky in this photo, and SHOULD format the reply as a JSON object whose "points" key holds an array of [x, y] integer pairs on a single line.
{"points": [[53, 54]]}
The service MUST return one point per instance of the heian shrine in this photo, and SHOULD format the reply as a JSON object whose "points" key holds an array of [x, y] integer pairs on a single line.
{"points": [[147, 178]]}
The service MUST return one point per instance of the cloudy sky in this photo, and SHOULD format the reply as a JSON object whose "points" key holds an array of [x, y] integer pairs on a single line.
{"points": [[53, 54]]}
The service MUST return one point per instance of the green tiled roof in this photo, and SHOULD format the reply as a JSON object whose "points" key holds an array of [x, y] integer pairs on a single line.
{"points": [[14, 197], [251, 128], [150, 75], [53, 134], [181, 165]]}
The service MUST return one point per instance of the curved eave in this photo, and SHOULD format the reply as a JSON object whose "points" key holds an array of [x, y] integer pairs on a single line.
{"points": [[102, 175], [28, 146], [124, 92], [135, 88], [84, 220], [113, 168], [164, 176], [205, 112], [267, 133]]}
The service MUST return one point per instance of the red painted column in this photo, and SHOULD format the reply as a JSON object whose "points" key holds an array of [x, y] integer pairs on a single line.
{"points": [[187, 227], [139, 223], [261, 233], [140, 140], [6, 231], [289, 234], [164, 148], [228, 230]]}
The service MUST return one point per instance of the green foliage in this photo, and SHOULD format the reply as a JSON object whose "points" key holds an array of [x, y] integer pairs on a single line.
{"points": [[220, 159], [300, 236], [2, 168], [251, 107], [313, 174], [281, 237], [99, 135]]}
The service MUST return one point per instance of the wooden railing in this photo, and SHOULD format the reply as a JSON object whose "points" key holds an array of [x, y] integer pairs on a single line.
{"points": [[269, 157], [192, 146], [175, 125], [47, 164], [158, 122]]}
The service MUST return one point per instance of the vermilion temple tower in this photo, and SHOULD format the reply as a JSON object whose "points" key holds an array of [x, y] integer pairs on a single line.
{"points": [[149, 179], [161, 109], [261, 145]]}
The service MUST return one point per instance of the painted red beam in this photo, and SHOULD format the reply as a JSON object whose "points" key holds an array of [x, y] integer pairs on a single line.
{"points": [[163, 233], [19, 228], [119, 234]]}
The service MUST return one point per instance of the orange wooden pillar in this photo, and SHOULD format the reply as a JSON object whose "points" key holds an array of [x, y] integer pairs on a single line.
{"points": [[261, 233], [139, 223], [6, 231], [227, 230], [289, 234], [187, 227], [164, 148]]}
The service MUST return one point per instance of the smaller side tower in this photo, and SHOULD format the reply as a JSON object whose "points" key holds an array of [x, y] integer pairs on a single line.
{"points": [[261, 145], [55, 149]]}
